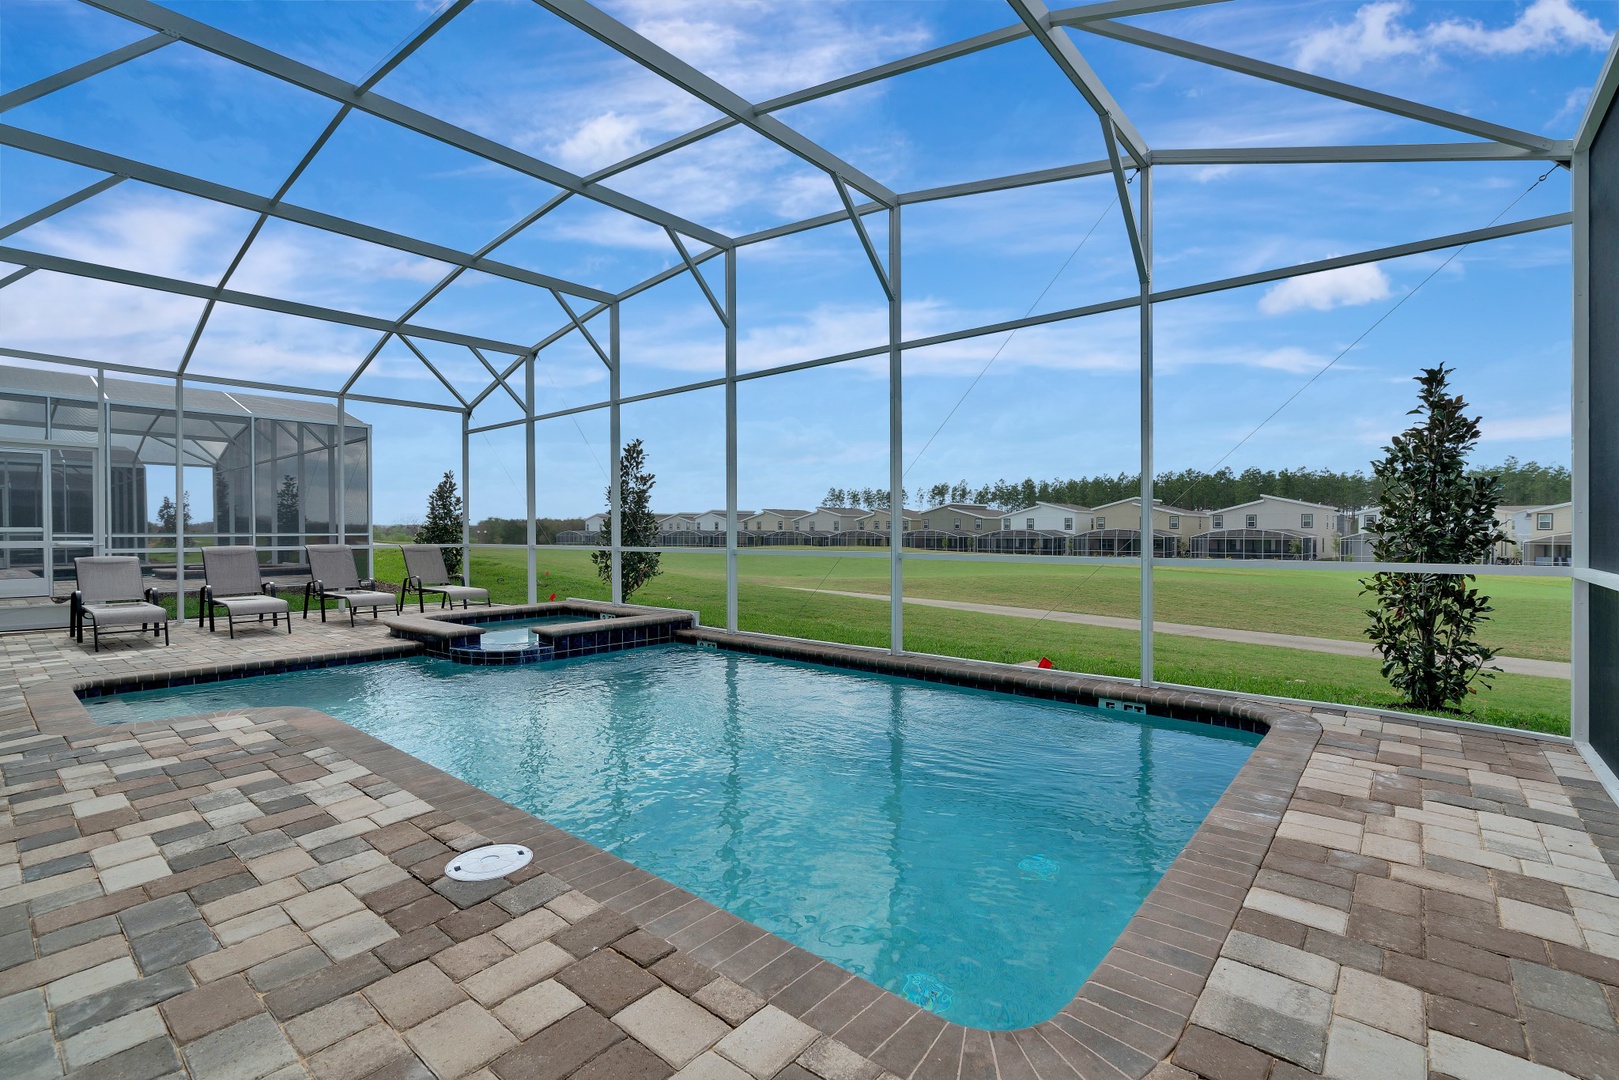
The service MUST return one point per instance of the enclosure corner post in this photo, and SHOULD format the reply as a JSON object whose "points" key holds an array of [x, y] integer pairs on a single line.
{"points": [[466, 497], [731, 605], [615, 477], [1147, 539], [531, 533], [179, 499], [339, 487], [896, 444]]}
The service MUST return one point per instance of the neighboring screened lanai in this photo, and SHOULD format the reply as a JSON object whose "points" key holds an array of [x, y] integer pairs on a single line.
{"points": [[795, 246]]}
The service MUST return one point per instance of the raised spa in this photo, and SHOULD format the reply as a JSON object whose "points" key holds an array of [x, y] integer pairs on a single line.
{"points": [[975, 852]]}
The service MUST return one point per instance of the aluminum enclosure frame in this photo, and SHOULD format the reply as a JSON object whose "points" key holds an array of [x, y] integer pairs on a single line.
{"points": [[1132, 164]]}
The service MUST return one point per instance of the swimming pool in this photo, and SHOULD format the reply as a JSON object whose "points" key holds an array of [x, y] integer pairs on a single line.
{"points": [[514, 633], [975, 852]]}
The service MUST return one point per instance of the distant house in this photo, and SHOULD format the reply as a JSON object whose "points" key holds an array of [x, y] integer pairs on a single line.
{"points": [[594, 522], [677, 523], [1116, 529], [770, 521], [959, 518], [1270, 527], [880, 521], [1355, 540], [1048, 517], [714, 520], [831, 519], [1545, 534]]}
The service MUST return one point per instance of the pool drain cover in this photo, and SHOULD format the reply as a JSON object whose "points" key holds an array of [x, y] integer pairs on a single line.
{"points": [[486, 863]]}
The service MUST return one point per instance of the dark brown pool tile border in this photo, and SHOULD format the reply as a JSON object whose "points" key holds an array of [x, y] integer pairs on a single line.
{"points": [[1123, 1021]]}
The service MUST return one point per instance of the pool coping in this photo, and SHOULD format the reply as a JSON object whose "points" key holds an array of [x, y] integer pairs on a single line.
{"points": [[1125, 1018]]}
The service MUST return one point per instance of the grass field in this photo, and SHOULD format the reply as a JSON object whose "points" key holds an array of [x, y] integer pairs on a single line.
{"points": [[1532, 618]]}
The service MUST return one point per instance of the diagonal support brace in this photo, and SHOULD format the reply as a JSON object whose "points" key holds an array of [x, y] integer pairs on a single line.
{"points": [[579, 325], [685, 257], [865, 237]]}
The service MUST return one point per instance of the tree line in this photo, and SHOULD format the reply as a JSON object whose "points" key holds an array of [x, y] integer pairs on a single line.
{"points": [[1525, 483]]}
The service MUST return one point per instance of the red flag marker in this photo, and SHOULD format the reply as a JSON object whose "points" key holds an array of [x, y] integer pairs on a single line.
{"points": [[553, 596], [1045, 663]]}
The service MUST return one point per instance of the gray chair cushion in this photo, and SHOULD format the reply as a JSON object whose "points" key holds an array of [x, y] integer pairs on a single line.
{"points": [[104, 615], [253, 605], [460, 592], [362, 598]]}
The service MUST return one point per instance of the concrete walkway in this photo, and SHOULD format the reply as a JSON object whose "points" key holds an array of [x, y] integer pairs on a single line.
{"points": [[1513, 665]]}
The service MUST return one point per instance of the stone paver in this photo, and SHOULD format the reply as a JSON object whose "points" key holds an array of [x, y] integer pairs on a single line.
{"points": [[259, 896], [671, 1026]]}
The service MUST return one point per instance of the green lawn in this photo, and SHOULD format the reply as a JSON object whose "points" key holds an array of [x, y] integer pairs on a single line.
{"points": [[1319, 603]]}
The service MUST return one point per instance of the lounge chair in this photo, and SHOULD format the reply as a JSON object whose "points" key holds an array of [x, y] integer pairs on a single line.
{"points": [[110, 595], [333, 577], [231, 580], [425, 573]]}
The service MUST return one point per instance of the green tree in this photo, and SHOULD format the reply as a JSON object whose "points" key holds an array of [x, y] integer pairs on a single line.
{"points": [[286, 505], [165, 512], [638, 527], [443, 522], [1432, 511]]}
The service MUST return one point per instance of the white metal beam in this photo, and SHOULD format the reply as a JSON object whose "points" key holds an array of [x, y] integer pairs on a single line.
{"points": [[437, 374], [123, 167], [702, 283], [608, 30], [79, 72], [500, 380], [1315, 84], [1124, 303], [1068, 59], [1602, 95], [76, 268], [291, 71], [1072, 16], [865, 237], [1347, 155], [579, 325], [29, 220], [218, 380], [1122, 186]]}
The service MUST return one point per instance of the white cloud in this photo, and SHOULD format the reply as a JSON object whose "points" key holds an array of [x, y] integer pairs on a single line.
{"points": [[1327, 290], [1379, 33], [1552, 425]]}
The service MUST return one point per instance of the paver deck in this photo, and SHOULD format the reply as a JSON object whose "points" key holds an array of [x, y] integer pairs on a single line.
{"points": [[260, 894]]}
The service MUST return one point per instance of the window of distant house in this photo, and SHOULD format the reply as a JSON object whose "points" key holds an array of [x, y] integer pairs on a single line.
{"points": [[835, 525], [1543, 522], [1219, 521], [860, 526], [1101, 523], [778, 526], [1174, 521], [1006, 523], [1306, 521], [1029, 522], [955, 523], [1067, 524], [1253, 521], [905, 526], [978, 523]]}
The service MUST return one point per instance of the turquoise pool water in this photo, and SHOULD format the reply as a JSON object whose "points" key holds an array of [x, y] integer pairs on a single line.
{"points": [[975, 852]]}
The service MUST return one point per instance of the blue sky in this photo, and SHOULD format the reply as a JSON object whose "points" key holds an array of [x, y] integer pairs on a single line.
{"points": [[1060, 400]]}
